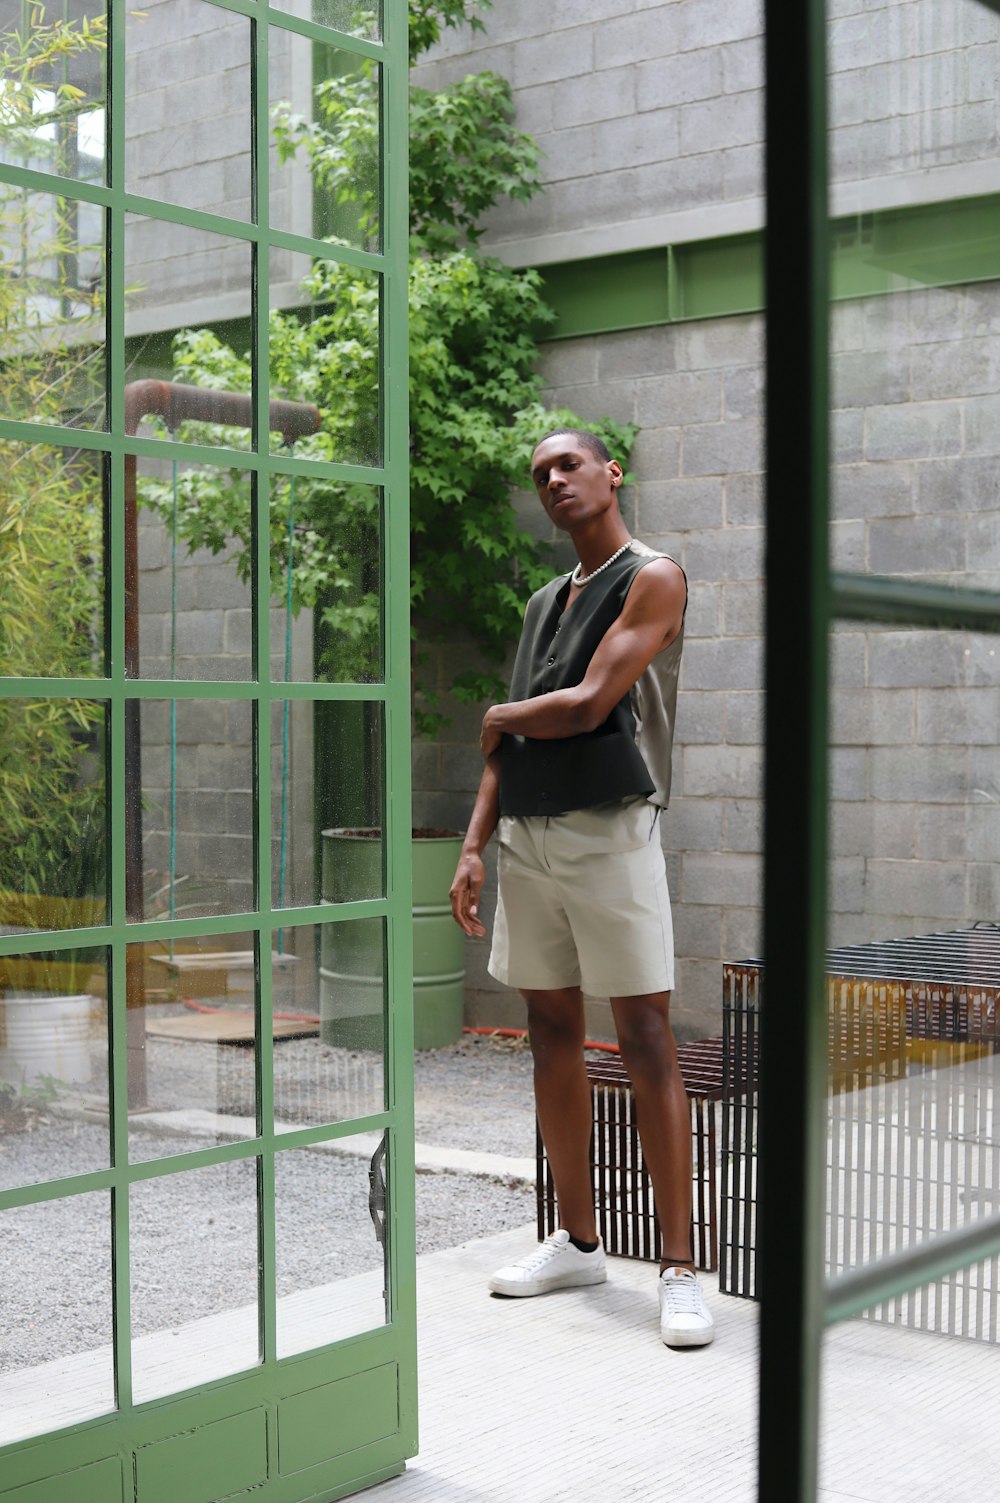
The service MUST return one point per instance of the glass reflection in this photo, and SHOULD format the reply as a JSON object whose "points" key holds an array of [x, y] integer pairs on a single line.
{"points": [[330, 1243], [915, 818], [53, 505], [195, 566], [179, 275], [915, 969], [326, 782], [193, 1322], [52, 67], [52, 309], [53, 1065], [324, 352], [326, 574], [192, 1036], [53, 836], [329, 1001], [325, 123], [922, 1394], [192, 815], [56, 1362], [911, 89], [188, 138], [360, 18]]}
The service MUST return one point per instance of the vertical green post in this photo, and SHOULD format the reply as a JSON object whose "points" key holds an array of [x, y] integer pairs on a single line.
{"points": [[397, 819], [793, 1077]]}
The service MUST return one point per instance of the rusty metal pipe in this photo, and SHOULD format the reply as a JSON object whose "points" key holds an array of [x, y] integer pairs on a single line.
{"points": [[177, 403]]}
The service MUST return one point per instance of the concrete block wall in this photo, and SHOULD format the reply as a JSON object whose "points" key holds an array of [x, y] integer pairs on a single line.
{"points": [[647, 112], [649, 116], [650, 108], [915, 773], [208, 610], [188, 143]]}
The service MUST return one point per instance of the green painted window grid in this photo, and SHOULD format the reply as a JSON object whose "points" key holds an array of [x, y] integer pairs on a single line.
{"points": [[115, 689]]}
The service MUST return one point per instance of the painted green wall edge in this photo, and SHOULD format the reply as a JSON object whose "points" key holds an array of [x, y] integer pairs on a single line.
{"points": [[927, 245]]}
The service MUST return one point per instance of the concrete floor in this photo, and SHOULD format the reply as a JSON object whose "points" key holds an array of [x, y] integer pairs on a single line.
{"points": [[574, 1396]]}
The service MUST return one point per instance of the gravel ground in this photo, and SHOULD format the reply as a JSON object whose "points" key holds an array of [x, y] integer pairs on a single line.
{"points": [[477, 1095], [474, 1095], [193, 1235]]}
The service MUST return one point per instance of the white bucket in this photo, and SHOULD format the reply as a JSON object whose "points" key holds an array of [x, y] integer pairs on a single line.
{"points": [[46, 1036]]}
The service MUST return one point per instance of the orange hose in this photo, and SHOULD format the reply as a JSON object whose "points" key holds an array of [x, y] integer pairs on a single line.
{"points": [[522, 1033], [307, 1017], [285, 1017]]}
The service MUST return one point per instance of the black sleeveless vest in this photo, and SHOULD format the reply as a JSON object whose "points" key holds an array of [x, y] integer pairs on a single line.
{"points": [[552, 777]]}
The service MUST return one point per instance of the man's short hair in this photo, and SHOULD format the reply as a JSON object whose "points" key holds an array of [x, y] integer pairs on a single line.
{"points": [[590, 441]]}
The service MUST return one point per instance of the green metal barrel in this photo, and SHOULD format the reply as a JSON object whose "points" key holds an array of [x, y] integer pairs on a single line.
{"points": [[352, 961]]}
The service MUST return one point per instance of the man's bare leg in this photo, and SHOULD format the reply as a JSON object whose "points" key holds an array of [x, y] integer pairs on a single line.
{"points": [[662, 1113], [563, 1103]]}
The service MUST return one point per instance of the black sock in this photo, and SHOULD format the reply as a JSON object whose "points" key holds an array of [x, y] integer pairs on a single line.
{"points": [[583, 1246]]}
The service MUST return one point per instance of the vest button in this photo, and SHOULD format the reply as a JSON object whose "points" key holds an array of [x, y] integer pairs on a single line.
{"points": [[543, 796], [551, 661]]}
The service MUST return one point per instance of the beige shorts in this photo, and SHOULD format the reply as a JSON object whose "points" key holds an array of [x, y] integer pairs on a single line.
{"points": [[583, 902]]}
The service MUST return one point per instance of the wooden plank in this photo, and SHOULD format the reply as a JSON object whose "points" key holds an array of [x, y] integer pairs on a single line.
{"points": [[232, 960], [225, 1028]]}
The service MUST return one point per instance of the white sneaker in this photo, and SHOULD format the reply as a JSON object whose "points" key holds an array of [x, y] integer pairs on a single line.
{"points": [[685, 1319], [554, 1264]]}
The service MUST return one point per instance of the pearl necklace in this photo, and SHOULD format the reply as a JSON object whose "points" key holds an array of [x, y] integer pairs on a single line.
{"points": [[579, 579]]}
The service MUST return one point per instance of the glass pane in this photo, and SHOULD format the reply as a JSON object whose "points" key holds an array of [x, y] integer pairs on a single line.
{"points": [[187, 85], [915, 972], [325, 126], [192, 1037], [53, 1065], [330, 1244], [329, 1023], [56, 1362], [193, 1245], [177, 278], [195, 550], [52, 108], [326, 787], [53, 504], [53, 838], [912, 89], [913, 905], [921, 1430], [191, 814], [359, 18], [52, 310], [324, 332]]}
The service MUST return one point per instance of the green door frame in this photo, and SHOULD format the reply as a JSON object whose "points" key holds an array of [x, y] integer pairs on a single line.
{"points": [[797, 1303], [227, 1435]]}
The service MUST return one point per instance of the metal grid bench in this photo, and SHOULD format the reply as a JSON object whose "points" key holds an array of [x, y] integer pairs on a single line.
{"points": [[914, 1119], [623, 1194]]}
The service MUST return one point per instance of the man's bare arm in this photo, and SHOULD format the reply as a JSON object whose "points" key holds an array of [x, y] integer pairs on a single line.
{"points": [[470, 872], [654, 610]]}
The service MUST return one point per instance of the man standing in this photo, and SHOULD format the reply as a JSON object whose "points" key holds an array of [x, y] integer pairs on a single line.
{"points": [[577, 769]]}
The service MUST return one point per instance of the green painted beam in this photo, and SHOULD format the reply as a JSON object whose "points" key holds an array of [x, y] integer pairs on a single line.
{"points": [[630, 291], [936, 245], [715, 277]]}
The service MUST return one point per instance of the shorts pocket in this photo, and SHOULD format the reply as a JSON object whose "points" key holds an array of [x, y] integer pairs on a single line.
{"points": [[607, 829]]}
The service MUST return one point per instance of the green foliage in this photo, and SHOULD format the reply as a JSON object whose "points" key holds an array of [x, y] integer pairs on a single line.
{"points": [[475, 394], [465, 155], [427, 17], [37, 99], [51, 499]]}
